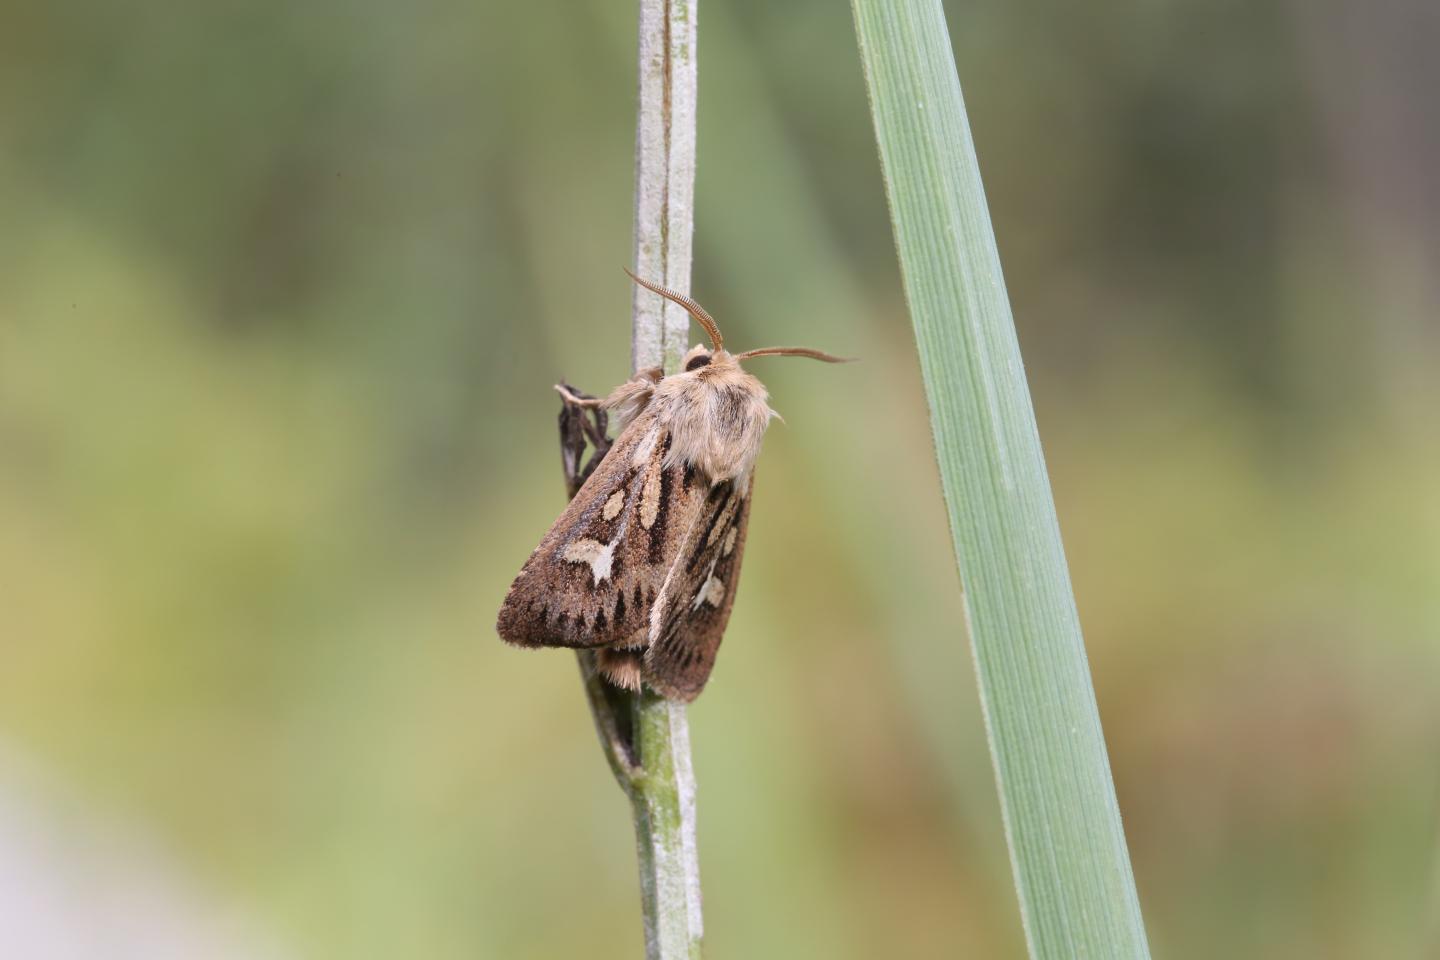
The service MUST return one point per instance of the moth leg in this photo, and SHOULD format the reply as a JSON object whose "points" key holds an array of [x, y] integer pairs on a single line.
{"points": [[582, 421], [584, 417], [577, 398]]}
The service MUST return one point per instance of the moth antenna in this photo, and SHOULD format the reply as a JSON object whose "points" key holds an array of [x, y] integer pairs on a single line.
{"points": [[793, 352], [691, 307]]}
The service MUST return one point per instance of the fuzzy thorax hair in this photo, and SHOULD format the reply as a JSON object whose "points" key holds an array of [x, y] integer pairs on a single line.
{"points": [[714, 412]]}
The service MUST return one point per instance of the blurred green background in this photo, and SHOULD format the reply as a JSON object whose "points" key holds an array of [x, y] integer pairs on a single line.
{"points": [[283, 288]]}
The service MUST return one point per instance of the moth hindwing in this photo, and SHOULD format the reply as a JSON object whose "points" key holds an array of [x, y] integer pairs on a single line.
{"points": [[643, 564]]}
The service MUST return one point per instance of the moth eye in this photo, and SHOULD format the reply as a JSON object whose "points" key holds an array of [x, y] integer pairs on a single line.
{"points": [[697, 361]]}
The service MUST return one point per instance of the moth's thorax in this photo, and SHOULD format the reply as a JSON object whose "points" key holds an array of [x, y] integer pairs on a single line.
{"points": [[716, 415]]}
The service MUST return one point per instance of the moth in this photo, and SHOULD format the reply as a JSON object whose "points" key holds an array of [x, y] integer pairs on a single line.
{"points": [[643, 564]]}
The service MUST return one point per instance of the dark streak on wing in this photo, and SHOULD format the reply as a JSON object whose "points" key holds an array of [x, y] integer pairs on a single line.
{"points": [[719, 495], [662, 516]]}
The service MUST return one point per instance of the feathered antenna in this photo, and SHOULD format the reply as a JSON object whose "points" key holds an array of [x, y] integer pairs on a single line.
{"points": [[708, 322], [691, 307], [793, 352]]}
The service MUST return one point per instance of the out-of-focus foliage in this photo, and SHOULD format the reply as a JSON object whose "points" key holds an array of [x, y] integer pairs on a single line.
{"points": [[282, 291]]}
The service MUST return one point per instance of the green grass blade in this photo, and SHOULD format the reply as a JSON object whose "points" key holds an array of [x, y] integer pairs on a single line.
{"points": [[1072, 870]]}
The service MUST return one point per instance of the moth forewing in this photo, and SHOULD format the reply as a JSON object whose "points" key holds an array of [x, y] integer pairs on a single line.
{"points": [[595, 576], [575, 590], [688, 622]]}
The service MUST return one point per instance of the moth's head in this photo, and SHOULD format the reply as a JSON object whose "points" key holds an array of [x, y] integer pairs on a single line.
{"points": [[716, 357], [707, 370], [700, 357]]}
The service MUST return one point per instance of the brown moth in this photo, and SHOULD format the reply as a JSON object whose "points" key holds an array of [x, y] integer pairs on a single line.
{"points": [[642, 565]]}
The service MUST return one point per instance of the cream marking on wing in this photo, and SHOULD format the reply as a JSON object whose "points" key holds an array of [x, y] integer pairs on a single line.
{"points": [[729, 545], [650, 497], [645, 447], [712, 590], [598, 555], [613, 505]]}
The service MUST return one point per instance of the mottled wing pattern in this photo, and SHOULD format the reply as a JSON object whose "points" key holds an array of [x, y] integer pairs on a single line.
{"points": [[688, 619], [594, 577]]}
